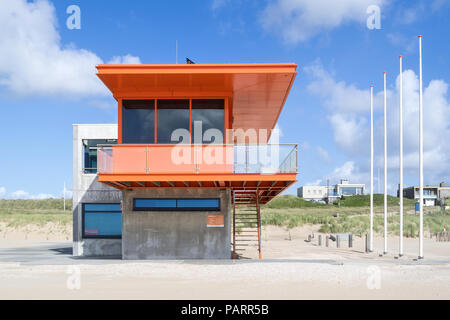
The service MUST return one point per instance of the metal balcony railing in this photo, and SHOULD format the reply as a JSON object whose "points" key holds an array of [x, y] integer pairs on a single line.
{"points": [[196, 158]]}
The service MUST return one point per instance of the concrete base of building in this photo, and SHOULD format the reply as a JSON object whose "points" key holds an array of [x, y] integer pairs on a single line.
{"points": [[175, 234], [98, 247]]}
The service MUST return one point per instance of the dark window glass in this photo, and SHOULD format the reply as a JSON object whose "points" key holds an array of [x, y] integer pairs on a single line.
{"points": [[90, 153], [212, 116], [198, 203], [171, 115], [102, 207], [102, 220], [155, 203], [138, 121], [177, 204]]}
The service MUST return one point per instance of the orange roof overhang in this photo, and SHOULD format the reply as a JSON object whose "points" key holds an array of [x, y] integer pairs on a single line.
{"points": [[257, 91]]}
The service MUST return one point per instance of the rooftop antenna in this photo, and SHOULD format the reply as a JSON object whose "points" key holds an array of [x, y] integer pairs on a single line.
{"points": [[176, 51], [385, 167], [400, 251], [420, 153], [371, 171]]}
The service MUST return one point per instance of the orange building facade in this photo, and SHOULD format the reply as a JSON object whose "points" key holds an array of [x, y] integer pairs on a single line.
{"points": [[196, 155]]}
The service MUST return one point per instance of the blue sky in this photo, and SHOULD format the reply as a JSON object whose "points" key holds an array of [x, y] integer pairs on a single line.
{"points": [[48, 82]]}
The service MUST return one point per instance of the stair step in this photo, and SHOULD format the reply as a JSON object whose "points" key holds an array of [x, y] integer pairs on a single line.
{"points": [[248, 231], [246, 214], [244, 235]]}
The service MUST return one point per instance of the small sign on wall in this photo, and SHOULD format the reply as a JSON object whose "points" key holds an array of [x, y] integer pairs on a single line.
{"points": [[91, 232], [215, 220]]}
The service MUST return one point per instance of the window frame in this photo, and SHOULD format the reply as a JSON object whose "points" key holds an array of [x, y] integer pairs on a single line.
{"points": [[121, 118], [226, 110], [83, 220], [93, 171], [204, 209]]}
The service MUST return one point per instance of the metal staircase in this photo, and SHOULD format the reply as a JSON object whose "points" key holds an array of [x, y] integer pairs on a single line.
{"points": [[246, 227]]}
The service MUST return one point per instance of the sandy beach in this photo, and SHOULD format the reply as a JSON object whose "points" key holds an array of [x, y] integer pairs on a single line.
{"points": [[36, 268]]}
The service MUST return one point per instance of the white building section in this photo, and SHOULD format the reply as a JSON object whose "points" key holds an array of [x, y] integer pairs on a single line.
{"points": [[328, 194]]}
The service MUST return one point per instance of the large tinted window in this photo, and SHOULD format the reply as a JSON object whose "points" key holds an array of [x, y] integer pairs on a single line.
{"points": [[101, 220], [138, 121], [211, 114], [171, 115], [160, 204]]}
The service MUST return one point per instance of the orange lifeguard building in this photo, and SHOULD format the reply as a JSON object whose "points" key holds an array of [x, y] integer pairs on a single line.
{"points": [[191, 162]]}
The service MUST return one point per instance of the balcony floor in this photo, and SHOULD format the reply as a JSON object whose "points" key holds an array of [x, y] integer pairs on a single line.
{"points": [[268, 185]]}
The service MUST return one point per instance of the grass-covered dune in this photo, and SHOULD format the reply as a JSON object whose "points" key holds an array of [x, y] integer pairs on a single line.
{"points": [[291, 201], [35, 212], [378, 200], [351, 214]]}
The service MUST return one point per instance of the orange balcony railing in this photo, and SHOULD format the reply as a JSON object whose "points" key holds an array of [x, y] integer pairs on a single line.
{"points": [[196, 159]]}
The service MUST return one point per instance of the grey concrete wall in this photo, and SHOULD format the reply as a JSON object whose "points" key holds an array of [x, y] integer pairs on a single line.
{"points": [[174, 235], [87, 189]]}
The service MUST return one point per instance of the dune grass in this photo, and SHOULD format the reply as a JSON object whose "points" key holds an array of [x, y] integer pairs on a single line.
{"points": [[378, 200], [351, 216], [35, 212]]}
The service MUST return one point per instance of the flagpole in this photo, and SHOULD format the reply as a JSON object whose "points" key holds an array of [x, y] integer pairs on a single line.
{"points": [[420, 152], [401, 159], [371, 171], [385, 167], [64, 195]]}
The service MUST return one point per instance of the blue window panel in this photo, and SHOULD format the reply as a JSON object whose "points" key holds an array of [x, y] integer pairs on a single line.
{"points": [[198, 203], [103, 223], [101, 207], [155, 203]]}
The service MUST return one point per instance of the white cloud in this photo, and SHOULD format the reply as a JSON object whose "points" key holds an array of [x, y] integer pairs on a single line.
{"points": [[336, 93], [33, 60], [2, 191], [349, 171], [103, 104], [350, 123], [314, 183], [323, 154], [127, 59], [20, 194], [299, 20]]}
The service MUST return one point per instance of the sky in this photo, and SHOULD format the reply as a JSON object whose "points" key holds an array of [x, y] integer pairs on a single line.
{"points": [[48, 81]]}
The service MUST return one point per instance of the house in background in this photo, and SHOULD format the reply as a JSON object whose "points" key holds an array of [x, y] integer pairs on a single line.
{"points": [[431, 195], [186, 166], [329, 194]]}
